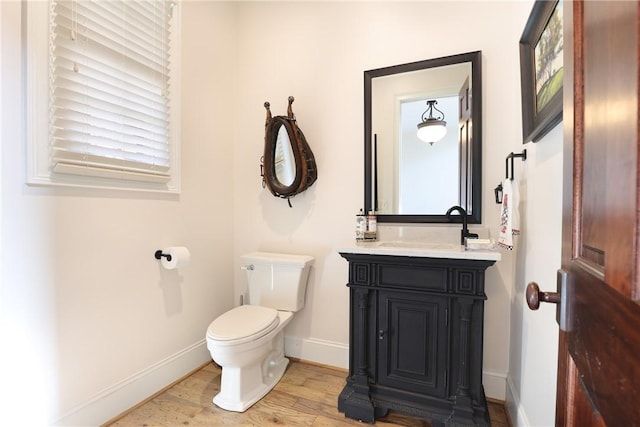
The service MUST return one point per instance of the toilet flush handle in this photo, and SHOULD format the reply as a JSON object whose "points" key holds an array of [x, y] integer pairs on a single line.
{"points": [[247, 267]]}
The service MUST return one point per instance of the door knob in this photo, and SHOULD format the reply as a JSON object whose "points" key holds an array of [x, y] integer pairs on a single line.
{"points": [[563, 299], [535, 296]]}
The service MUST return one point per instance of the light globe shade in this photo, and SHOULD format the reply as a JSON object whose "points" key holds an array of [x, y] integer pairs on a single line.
{"points": [[432, 130]]}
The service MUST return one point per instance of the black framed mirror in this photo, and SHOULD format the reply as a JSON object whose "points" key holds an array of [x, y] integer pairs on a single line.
{"points": [[408, 180]]}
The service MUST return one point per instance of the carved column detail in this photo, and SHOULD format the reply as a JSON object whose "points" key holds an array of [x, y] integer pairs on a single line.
{"points": [[463, 409], [465, 340], [363, 307]]}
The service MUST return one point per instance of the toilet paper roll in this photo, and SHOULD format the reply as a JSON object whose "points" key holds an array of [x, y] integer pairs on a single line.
{"points": [[180, 257]]}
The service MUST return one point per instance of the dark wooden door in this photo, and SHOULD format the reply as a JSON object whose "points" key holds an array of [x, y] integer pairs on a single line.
{"points": [[465, 139], [599, 353]]}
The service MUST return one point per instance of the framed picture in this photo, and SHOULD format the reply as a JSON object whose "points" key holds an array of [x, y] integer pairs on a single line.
{"points": [[541, 70]]}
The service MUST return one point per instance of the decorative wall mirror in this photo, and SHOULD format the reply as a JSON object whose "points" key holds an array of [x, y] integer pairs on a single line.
{"points": [[288, 165], [406, 178]]}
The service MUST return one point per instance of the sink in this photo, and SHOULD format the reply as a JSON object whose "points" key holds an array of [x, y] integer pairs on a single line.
{"points": [[421, 249], [419, 245]]}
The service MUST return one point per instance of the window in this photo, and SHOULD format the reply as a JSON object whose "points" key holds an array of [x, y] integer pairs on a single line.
{"points": [[107, 72]]}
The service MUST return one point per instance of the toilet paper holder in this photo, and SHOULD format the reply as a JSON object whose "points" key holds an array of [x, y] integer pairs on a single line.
{"points": [[159, 255]]}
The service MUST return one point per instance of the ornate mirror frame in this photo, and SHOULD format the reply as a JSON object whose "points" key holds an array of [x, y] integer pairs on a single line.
{"points": [[306, 171]]}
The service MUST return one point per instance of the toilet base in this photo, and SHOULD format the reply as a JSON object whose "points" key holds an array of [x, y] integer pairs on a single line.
{"points": [[249, 373], [227, 399]]}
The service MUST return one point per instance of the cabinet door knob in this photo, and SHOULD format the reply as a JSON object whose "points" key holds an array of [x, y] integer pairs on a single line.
{"points": [[535, 296], [381, 334]]}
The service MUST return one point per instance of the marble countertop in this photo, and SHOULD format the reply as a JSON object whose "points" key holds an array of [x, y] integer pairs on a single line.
{"points": [[421, 249]]}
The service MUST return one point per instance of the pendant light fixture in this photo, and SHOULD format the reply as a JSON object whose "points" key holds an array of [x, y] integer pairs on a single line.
{"points": [[432, 129]]}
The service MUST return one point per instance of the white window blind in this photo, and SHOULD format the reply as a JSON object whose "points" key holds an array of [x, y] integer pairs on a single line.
{"points": [[109, 88]]}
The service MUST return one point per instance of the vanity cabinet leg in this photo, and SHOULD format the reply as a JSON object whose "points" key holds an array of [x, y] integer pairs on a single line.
{"points": [[463, 409], [355, 403], [354, 399]]}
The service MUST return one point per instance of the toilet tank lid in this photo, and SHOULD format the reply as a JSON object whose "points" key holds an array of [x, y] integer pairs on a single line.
{"points": [[243, 321], [277, 258]]}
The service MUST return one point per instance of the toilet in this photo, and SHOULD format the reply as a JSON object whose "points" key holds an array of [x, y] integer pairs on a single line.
{"points": [[248, 341]]}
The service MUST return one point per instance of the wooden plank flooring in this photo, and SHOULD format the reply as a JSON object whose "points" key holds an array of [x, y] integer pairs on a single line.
{"points": [[307, 395]]}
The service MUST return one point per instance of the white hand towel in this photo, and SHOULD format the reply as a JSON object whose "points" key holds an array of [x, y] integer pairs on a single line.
{"points": [[509, 215], [515, 207]]}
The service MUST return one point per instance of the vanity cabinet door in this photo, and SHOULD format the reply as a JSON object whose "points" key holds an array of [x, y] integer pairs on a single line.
{"points": [[413, 342]]}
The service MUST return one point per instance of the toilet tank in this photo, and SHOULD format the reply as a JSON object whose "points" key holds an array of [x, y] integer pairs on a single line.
{"points": [[277, 280]]}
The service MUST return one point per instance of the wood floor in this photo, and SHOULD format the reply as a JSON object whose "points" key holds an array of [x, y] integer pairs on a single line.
{"points": [[307, 395]]}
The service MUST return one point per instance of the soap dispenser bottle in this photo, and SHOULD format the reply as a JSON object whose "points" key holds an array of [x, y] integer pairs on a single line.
{"points": [[361, 225], [372, 227]]}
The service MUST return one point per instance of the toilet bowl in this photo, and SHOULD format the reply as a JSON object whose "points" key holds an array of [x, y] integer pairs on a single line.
{"points": [[247, 342], [251, 356]]}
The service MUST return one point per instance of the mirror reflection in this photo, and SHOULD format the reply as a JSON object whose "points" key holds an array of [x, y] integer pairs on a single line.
{"points": [[285, 163], [408, 179], [418, 163]]}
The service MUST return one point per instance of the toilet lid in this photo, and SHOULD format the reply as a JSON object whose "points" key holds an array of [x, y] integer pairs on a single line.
{"points": [[243, 322]]}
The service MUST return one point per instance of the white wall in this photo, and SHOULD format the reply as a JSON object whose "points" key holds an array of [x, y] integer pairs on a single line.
{"points": [[91, 330], [95, 323], [534, 334], [318, 52]]}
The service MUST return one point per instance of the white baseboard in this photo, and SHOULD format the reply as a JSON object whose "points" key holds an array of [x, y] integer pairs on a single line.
{"points": [[127, 393], [336, 354], [495, 384], [318, 351], [515, 411]]}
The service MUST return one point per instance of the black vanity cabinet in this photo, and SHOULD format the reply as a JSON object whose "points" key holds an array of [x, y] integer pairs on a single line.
{"points": [[415, 341]]}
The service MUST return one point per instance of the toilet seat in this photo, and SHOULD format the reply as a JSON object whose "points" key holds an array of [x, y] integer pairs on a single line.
{"points": [[242, 324]]}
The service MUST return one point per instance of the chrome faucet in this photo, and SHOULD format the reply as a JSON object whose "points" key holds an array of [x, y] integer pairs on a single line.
{"points": [[464, 233]]}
